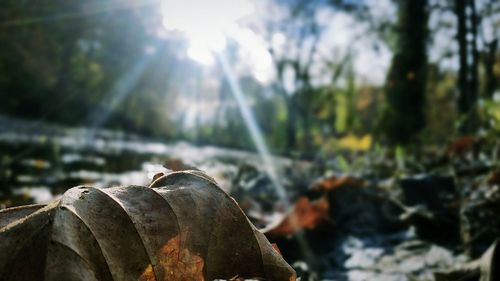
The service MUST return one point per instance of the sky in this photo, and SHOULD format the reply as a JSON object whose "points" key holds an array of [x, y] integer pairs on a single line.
{"points": [[210, 26], [242, 26], [216, 26]]}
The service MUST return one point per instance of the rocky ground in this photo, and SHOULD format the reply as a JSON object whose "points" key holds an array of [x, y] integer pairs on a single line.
{"points": [[390, 218]]}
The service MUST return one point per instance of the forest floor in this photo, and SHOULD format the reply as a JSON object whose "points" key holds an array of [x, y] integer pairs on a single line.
{"points": [[380, 215]]}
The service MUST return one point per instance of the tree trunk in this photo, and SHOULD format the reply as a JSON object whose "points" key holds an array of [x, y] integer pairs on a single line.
{"points": [[467, 77], [404, 117], [291, 124], [489, 64]]}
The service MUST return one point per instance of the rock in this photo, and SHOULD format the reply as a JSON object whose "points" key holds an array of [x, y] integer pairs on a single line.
{"points": [[486, 268], [433, 207]]}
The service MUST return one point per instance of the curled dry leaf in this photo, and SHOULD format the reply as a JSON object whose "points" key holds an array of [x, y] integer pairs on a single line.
{"points": [[182, 227]]}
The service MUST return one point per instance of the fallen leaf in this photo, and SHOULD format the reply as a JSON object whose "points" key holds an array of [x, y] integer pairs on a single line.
{"points": [[40, 164], [494, 177], [275, 247], [333, 182], [157, 176], [304, 215], [460, 146], [355, 143], [178, 165], [308, 214], [181, 227]]}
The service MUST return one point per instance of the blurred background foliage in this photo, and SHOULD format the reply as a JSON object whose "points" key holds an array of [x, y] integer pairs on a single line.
{"points": [[342, 74]]}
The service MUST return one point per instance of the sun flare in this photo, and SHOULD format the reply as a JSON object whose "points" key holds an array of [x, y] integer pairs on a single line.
{"points": [[206, 24]]}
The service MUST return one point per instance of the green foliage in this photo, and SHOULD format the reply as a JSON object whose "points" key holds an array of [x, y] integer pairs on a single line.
{"points": [[102, 64], [490, 114]]}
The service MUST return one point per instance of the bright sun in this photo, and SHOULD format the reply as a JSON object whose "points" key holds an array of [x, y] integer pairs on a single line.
{"points": [[206, 24]]}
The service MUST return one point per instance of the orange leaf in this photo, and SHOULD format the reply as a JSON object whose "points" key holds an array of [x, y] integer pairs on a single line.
{"points": [[305, 215], [275, 247], [461, 145], [176, 262], [157, 176], [334, 182], [494, 178]]}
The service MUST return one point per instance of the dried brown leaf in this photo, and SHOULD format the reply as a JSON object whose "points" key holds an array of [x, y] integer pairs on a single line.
{"points": [[182, 227]]}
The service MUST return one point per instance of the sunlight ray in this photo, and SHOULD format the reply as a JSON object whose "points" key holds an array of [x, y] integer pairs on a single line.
{"points": [[119, 92], [207, 31], [86, 11], [262, 149]]}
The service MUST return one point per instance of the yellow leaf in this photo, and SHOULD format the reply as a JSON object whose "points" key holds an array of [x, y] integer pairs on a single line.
{"points": [[353, 142]]}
